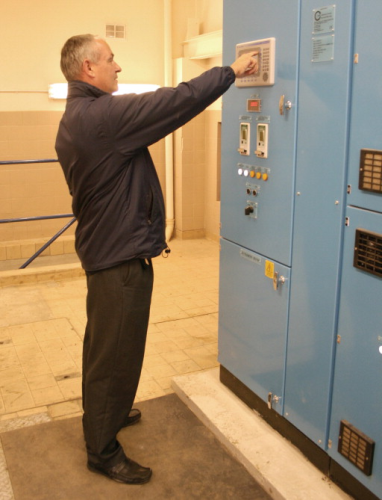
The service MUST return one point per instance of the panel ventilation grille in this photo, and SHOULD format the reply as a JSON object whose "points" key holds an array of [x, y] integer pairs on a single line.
{"points": [[356, 447], [370, 171], [116, 31], [368, 252]]}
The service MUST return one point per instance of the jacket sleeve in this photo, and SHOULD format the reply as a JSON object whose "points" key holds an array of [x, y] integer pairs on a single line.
{"points": [[138, 121]]}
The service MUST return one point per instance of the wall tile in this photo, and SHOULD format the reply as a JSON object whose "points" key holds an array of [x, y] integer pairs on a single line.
{"points": [[33, 189], [14, 252]]}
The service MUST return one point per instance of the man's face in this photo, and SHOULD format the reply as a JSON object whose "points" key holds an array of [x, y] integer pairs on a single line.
{"points": [[106, 69]]}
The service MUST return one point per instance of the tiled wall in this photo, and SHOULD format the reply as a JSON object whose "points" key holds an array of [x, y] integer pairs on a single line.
{"points": [[212, 175], [36, 189], [197, 208], [189, 179], [32, 189]]}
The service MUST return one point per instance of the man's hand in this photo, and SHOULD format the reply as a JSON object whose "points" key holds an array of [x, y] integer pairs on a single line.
{"points": [[246, 64]]}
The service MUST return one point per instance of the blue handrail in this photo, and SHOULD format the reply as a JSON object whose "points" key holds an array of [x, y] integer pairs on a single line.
{"points": [[31, 259], [20, 162], [40, 217]]}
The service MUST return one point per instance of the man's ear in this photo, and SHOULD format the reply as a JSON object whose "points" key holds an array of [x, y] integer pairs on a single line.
{"points": [[87, 68]]}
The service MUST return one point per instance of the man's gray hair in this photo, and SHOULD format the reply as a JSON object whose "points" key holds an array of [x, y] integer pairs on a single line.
{"points": [[75, 51]]}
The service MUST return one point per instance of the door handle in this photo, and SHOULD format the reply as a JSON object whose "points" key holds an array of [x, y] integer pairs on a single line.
{"points": [[284, 105], [272, 398], [277, 280]]}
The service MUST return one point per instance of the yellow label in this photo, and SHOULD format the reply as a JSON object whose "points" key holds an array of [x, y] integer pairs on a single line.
{"points": [[269, 269]]}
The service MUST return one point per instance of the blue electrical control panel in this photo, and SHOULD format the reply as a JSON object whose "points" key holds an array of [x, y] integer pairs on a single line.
{"points": [[300, 321]]}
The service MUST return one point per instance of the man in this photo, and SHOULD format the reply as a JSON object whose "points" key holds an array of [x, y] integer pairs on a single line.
{"points": [[102, 147]]}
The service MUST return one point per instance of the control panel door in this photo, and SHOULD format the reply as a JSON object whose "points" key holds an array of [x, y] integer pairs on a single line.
{"points": [[365, 151], [357, 394], [252, 320], [258, 130], [324, 92], [355, 426]]}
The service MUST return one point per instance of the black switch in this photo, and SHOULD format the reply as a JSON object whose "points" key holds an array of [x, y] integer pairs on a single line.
{"points": [[248, 210]]}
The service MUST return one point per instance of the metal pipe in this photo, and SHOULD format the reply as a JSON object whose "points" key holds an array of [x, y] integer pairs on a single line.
{"points": [[38, 217], [41, 217], [169, 159], [31, 259], [21, 162]]}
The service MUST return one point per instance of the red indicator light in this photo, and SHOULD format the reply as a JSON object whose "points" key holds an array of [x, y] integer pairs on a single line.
{"points": [[254, 105]]}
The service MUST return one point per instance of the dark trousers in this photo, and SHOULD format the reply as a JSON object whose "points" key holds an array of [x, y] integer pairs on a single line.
{"points": [[118, 307]]}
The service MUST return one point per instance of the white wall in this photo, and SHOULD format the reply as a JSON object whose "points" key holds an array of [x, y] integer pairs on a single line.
{"points": [[33, 32]]}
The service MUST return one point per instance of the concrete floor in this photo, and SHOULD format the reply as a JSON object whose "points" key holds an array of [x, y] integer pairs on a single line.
{"points": [[42, 321], [279, 467]]}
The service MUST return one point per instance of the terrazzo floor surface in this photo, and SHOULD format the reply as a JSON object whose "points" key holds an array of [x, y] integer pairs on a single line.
{"points": [[42, 326]]}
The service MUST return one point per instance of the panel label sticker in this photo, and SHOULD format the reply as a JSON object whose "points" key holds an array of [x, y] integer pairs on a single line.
{"points": [[263, 118], [250, 256]]}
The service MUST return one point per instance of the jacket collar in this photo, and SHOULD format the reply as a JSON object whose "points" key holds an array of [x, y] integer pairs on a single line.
{"points": [[78, 88]]}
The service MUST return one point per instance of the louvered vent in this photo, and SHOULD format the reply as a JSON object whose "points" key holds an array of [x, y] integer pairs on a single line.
{"points": [[115, 31], [368, 252], [370, 171], [356, 447]]}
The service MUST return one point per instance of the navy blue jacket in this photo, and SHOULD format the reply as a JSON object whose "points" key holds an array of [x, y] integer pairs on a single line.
{"points": [[102, 146]]}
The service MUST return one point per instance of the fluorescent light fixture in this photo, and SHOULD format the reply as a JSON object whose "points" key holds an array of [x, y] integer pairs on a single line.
{"points": [[60, 90], [135, 88]]}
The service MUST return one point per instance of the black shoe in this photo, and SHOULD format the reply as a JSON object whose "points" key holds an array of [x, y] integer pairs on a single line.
{"points": [[127, 471], [133, 418]]}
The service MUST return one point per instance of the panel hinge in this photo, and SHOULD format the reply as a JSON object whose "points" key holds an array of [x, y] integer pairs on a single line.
{"points": [[338, 339], [347, 222]]}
